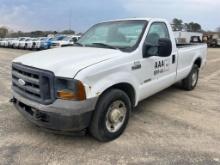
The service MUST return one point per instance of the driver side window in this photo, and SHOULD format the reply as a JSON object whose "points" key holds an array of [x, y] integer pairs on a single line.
{"points": [[157, 31]]}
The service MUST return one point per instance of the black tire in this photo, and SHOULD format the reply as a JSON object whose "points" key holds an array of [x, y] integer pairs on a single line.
{"points": [[98, 127], [189, 83]]}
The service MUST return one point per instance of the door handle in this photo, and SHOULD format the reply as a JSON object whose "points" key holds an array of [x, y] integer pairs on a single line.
{"points": [[173, 59]]}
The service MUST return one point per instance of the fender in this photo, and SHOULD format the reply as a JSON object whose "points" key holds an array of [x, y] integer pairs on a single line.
{"points": [[96, 88]]}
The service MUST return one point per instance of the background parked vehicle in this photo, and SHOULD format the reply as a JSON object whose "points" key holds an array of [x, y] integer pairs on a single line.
{"points": [[1, 41], [39, 43], [196, 39], [55, 41], [22, 43], [42, 43], [67, 41], [4, 42], [30, 43], [10, 42], [212, 40], [15, 43], [184, 37]]}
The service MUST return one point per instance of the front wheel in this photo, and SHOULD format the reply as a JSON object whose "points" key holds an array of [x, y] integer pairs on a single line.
{"points": [[111, 115], [190, 82]]}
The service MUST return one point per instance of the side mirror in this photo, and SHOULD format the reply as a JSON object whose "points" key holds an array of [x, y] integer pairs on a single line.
{"points": [[164, 47]]}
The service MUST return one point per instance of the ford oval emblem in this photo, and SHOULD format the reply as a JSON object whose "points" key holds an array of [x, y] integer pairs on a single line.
{"points": [[21, 82]]}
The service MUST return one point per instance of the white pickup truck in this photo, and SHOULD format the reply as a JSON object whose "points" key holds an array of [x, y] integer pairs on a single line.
{"points": [[95, 84]]}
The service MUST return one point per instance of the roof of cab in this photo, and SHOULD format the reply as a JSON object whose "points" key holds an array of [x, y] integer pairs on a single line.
{"points": [[137, 18]]}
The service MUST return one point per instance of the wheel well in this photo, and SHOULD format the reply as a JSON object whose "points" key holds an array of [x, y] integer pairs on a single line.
{"points": [[198, 62], [127, 88]]}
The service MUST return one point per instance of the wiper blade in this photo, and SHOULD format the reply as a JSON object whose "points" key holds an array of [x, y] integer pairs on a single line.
{"points": [[105, 45]]}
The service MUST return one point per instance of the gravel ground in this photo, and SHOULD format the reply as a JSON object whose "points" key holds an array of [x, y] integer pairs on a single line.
{"points": [[171, 127]]}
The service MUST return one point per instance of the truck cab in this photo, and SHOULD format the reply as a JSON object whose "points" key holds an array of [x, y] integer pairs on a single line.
{"points": [[95, 84]]}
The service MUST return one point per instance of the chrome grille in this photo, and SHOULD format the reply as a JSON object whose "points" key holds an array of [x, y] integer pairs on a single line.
{"points": [[37, 84]]}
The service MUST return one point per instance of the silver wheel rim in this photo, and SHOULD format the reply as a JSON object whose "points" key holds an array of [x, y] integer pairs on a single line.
{"points": [[115, 116], [194, 78]]}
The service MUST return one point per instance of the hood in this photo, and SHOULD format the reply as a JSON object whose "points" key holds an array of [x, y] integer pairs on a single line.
{"points": [[67, 61], [38, 41]]}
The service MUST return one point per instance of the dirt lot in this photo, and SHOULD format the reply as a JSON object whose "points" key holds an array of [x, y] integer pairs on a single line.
{"points": [[172, 127]]}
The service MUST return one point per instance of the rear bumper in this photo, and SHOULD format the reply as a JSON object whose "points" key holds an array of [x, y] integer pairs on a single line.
{"points": [[63, 116]]}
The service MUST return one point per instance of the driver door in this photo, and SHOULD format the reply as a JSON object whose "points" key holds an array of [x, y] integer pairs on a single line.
{"points": [[161, 71]]}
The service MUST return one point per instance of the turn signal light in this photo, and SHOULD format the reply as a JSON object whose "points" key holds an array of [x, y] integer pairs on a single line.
{"points": [[79, 94]]}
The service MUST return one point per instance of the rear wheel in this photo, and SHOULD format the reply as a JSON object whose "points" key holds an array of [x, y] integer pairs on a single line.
{"points": [[190, 82], [111, 115]]}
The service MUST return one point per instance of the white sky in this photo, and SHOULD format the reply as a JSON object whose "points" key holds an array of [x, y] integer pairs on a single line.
{"points": [[27, 15]]}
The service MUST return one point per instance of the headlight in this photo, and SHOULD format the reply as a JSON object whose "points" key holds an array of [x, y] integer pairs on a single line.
{"points": [[69, 89]]}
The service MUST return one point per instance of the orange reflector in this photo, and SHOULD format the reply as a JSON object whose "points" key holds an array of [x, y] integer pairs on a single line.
{"points": [[66, 95]]}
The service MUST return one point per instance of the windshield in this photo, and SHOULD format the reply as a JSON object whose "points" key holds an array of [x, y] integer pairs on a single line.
{"points": [[43, 39], [118, 34], [66, 38], [58, 38]]}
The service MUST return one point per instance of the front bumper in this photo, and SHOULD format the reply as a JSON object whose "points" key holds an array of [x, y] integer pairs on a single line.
{"points": [[62, 115], [29, 46], [55, 46], [36, 46]]}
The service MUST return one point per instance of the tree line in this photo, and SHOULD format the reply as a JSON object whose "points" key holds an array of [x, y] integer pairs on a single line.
{"points": [[4, 32], [179, 25]]}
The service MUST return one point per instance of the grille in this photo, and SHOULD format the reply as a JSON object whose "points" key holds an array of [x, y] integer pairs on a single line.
{"points": [[36, 85]]}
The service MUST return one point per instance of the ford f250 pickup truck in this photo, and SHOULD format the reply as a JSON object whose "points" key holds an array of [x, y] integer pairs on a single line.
{"points": [[95, 84]]}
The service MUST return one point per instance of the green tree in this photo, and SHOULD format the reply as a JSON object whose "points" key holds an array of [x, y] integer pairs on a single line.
{"points": [[37, 33], [194, 27], [186, 26], [68, 32], [177, 24], [218, 30], [3, 32]]}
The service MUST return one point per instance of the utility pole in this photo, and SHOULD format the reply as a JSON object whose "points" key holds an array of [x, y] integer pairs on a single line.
{"points": [[70, 19]]}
